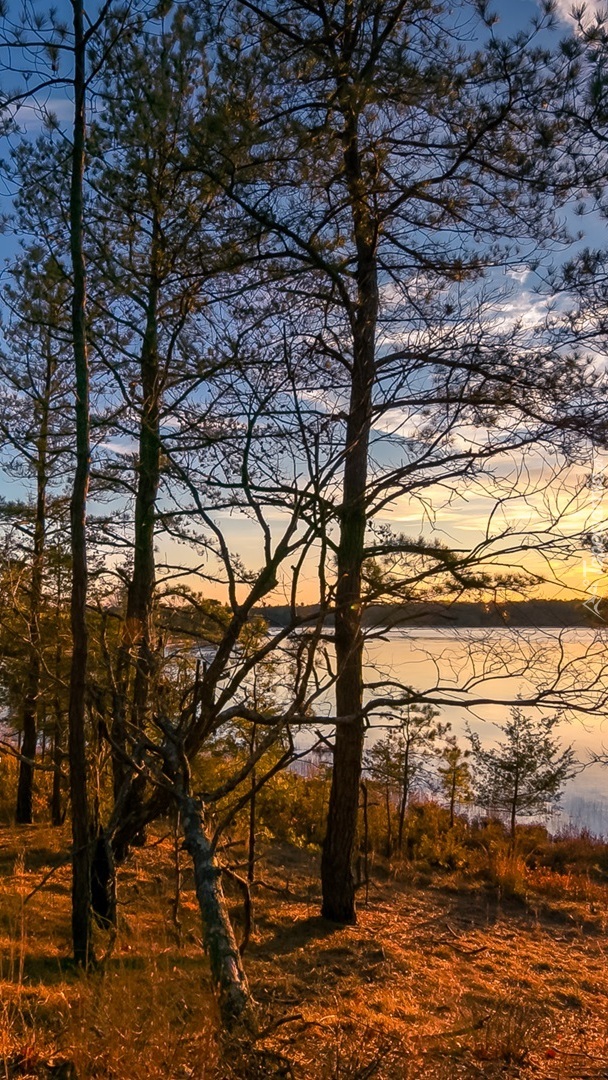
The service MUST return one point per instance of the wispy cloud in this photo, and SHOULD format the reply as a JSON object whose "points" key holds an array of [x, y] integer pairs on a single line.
{"points": [[32, 118]]}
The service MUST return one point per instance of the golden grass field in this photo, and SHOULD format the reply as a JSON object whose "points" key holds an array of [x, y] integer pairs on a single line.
{"points": [[441, 978]]}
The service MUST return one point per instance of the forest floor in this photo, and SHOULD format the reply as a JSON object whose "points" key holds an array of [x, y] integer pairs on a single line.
{"points": [[440, 979]]}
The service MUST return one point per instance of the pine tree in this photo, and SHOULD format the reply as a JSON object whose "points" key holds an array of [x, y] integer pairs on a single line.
{"points": [[455, 775], [391, 168], [525, 772], [35, 440]]}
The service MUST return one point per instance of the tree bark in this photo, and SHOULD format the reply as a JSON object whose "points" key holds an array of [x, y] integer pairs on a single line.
{"points": [[25, 785], [336, 865], [103, 882], [227, 973], [453, 799], [365, 801], [405, 791], [136, 644], [81, 840], [57, 810], [252, 814], [57, 814], [514, 803]]}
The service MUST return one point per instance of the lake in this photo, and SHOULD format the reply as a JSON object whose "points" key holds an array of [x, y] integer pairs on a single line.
{"points": [[458, 667]]}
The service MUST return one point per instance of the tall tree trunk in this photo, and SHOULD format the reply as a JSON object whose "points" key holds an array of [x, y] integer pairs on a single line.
{"points": [[336, 864], [25, 785], [136, 645], [57, 814], [81, 840], [141, 590], [57, 810], [365, 808], [252, 813]]}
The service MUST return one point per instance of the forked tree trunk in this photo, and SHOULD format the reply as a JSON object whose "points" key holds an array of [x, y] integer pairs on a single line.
{"points": [[81, 855]]}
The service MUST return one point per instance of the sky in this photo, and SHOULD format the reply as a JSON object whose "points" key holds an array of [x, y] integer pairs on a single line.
{"points": [[463, 522], [515, 13]]}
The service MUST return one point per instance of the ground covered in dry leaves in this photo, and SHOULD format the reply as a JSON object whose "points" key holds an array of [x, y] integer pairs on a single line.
{"points": [[440, 978]]}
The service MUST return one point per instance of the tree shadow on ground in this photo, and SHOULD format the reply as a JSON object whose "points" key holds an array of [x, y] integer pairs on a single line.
{"points": [[295, 935]]}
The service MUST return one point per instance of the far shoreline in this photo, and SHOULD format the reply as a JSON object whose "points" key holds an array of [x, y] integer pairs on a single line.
{"points": [[520, 614]]}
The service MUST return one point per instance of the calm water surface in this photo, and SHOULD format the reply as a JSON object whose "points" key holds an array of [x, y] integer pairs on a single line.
{"points": [[458, 667]]}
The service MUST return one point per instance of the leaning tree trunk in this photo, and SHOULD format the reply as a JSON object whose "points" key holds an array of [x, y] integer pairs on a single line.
{"points": [[81, 860], [227, 973], [336, 865], [129, 817]]}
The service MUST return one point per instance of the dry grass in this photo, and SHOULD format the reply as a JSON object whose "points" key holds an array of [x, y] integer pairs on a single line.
{"points": [[144, 1014], [442, 982]]}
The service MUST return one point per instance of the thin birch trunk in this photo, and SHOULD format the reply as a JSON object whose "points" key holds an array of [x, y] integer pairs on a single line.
{"points": [[227, 972]]}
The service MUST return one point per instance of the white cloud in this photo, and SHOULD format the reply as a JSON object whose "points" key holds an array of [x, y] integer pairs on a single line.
{"points": [[593, 7]]}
